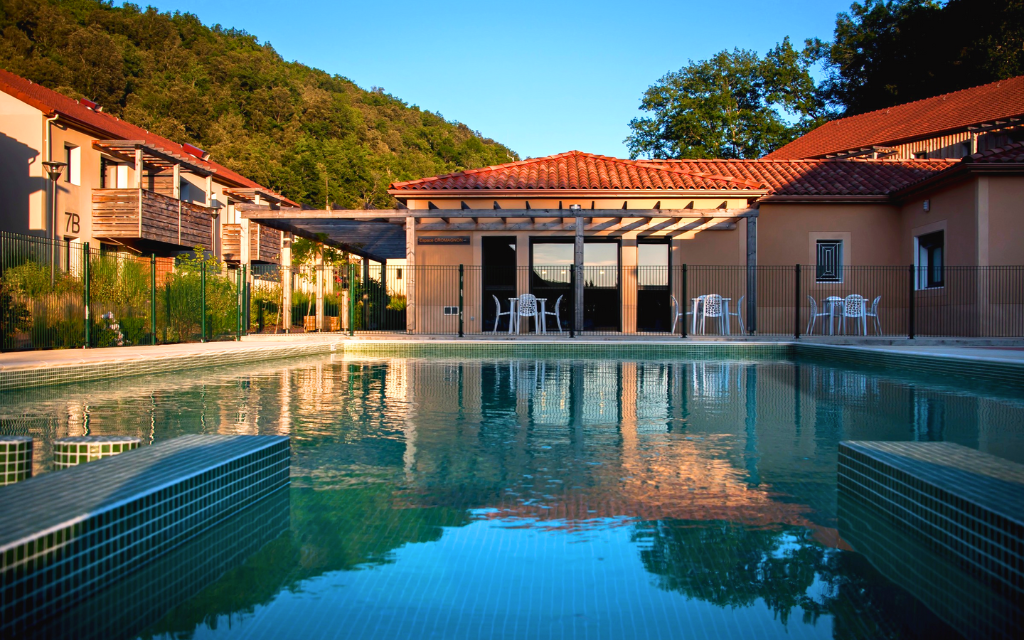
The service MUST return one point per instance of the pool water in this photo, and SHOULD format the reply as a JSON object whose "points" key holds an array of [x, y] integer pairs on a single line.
{"points": [[531, 498]]}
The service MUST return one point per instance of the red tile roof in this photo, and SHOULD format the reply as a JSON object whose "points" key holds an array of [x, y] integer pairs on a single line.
{"points": [[1010, 153], [51, 102], [923, 118], [586, 172], [578, 170]]}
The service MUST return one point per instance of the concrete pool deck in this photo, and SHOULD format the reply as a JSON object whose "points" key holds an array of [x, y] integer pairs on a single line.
{"points": [[37, 368]]}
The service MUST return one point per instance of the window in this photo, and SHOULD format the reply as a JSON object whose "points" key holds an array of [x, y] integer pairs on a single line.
{"points": [[73, 172], [930, 260], [183, 191], [122, 176], [920, 155], [398, 274], [829, 262]]}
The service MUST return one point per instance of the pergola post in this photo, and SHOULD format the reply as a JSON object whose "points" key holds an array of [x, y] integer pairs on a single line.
{"points": [[319, 280], [751, 309], [410, 274], [577, 265], [286, 283]]}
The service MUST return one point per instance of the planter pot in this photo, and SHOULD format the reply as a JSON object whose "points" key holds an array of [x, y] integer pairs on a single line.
{"points": [[333, 323], [309, 323]]}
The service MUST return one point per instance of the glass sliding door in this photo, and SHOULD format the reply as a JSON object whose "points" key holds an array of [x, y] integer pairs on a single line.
{"points": [[602, 303], [653, 305], [550, 273], [498, 279]]}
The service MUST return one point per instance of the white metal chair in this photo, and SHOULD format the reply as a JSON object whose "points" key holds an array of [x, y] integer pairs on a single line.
{"points": [[854, 307], [873, 313], [499, 313], [679, 313], [558, 318], [814, 315], [526, 307], [739, 314], [712, 309]]}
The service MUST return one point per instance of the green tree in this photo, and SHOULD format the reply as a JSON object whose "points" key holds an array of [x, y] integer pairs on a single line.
{"points": [[888, 52], [734, 105]]}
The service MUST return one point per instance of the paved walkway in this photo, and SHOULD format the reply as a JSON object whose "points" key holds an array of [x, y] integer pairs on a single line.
{"points": [[73, 357]]}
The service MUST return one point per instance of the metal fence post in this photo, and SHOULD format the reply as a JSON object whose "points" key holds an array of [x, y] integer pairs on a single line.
{"points": [[202, 297], [351, 301], [910, 305], [796, 305], [683, 302], [461, 283], [238, 305], [86, 295], [245, 301], [152, 297], [572, 288]]}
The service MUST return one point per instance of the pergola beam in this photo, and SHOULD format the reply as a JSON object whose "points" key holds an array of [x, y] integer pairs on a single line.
{"points": [[257, 212]]}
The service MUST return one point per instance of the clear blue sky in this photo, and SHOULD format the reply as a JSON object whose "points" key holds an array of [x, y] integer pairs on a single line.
{"points": [[542, 77]]}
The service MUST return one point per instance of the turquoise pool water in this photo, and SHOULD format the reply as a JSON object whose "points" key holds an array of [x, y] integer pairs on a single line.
{"points": [[534, 498]]}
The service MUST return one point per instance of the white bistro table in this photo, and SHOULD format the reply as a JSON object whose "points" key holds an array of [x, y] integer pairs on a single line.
{"points": [[725, 313], [540, 324]]}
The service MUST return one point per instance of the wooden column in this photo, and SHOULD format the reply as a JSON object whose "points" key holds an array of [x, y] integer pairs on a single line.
{"points": [[286, 283], [410, 274], [176, 182], [751, 310], [319, 280], [138, 167], [577, 262]]}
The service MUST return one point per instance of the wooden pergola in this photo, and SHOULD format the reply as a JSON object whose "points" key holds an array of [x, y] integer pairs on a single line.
{"points": [[382, 234]]}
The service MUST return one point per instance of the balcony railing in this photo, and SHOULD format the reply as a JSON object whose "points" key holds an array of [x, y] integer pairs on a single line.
{"points": [[264, 243], [127, 214]]}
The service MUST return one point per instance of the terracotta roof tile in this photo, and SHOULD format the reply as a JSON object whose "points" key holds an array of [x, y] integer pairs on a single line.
{"points": [[913, 120], [583, 171], [1010, 153], [49, 101]]}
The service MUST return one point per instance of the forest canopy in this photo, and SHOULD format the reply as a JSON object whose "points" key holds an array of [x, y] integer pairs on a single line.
{"points": [[313, 137]]}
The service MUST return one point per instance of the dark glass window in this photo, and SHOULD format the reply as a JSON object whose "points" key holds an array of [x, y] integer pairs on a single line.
{"points": [[829, 264], [931, 260]]}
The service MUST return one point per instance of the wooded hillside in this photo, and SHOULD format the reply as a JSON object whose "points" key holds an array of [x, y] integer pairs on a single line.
{"points": [[288, 126]]}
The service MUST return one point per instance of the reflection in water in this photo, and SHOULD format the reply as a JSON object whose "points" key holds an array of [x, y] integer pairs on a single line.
{"points": [[526, 497]]}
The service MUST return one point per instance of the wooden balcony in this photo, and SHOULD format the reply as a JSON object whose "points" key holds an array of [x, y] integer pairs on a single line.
{"points": [[141, 215], [264, 243]]}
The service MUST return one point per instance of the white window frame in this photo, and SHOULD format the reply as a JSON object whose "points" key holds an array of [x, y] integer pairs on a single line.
{"points": [[841, 263], [73, 172], [921, 265]]}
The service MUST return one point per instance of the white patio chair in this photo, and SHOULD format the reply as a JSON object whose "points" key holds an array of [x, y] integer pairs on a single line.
{"points": [[853, 307], [558, 318], [679, 313], [527, 308], [712, 309], [739, 314], [873, 313], [499, 313], [814, 315]]}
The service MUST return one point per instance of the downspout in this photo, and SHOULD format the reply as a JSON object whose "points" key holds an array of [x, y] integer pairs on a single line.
{"points": [[50, 201]]}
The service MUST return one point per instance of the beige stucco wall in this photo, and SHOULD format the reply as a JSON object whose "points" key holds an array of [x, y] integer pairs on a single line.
{"points": [[952, 210], [22, 183], [787, 232], [1006, 220]]}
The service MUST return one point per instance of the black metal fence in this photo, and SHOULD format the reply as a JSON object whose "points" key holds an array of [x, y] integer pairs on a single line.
{"points": [[62, 294]]}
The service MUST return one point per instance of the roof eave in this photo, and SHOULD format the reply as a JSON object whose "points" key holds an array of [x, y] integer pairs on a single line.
{"points": [[959, 171], [425, 194], [823, 199]]}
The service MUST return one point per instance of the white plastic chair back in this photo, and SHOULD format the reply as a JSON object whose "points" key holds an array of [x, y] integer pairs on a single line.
{"points": [[874, 306], [712, 306], [527, 305], [814, 306], [853, 306]]}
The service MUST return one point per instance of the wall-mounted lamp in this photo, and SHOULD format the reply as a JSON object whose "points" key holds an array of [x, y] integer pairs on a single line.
{"points": [[927, 206], [574, 207], [54, 170]]}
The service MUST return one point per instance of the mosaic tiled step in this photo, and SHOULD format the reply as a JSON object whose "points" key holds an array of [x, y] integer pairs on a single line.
{"points": [[962, 600], [67, 534], [75, 450], [138, 600], [961, 503], [15, 459]]}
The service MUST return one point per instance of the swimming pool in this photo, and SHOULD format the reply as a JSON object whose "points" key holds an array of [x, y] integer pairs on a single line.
{"points": [[533, 497]]}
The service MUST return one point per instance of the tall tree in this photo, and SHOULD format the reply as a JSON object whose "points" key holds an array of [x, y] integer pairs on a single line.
{"points": [[887, 52], [735, 105]]}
